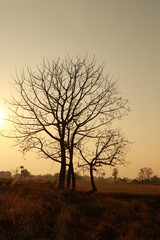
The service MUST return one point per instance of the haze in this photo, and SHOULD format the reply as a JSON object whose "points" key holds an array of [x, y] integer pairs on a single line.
{"points": [[125, 34]]}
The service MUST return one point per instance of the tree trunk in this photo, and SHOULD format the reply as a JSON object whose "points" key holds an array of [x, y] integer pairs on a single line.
{"points": [[62, 174], [73, 179], [71, 173], [61, 183], [94, 189], [71, 169], [69, 177]]}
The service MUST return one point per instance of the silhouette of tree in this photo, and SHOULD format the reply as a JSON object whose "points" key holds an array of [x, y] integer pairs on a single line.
{"points": [[61, 104], [145, 174], [25, 173], [21, 167], [110, 149], [115, 174]]}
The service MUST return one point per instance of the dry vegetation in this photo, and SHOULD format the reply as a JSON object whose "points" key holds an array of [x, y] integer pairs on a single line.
{"points": [[34, 209]]}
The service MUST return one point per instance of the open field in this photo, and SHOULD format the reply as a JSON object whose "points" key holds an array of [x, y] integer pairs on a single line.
{"points": [[34, 209], [121, 188]]}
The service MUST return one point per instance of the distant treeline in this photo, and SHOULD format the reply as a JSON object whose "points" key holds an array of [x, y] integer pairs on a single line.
{"points": [[26, 174]]}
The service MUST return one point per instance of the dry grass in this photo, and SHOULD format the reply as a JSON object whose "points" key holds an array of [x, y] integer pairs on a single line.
{"points": [[121, 188], [36, 210]]}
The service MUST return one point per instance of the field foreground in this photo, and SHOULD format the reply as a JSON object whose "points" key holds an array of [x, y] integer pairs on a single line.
{"points": [[34, 209]]}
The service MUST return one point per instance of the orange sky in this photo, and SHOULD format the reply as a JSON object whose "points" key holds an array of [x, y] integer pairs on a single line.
{"points": [[125, 34]]}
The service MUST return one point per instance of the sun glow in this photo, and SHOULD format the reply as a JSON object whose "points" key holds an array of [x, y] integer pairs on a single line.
{"points": [[3, 116]]}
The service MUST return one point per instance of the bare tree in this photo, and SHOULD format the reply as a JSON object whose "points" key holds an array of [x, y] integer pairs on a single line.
{"points": [[145, 174], [110, 150], [60, 104]]}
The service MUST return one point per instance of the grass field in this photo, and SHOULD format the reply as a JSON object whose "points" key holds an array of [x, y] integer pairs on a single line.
{"points": [[35, 209], [122, 188]]}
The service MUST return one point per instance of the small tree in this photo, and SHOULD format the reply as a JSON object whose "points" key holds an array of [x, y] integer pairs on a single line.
{"points": [[25, 173], [115, 174], [145, 174], [21, 167], [110, 150]]}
